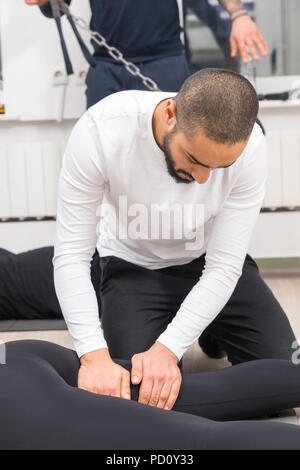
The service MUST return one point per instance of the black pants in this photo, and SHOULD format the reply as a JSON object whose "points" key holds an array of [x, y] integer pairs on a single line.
{"points": [[137, 304], [42, 408]]}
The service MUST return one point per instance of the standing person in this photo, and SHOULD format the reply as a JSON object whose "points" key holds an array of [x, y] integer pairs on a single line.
{"points": [[144, 158], [147, 32]]}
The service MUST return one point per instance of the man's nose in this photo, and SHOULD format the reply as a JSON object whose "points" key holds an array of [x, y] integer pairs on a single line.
{"points": [[201, 176]]}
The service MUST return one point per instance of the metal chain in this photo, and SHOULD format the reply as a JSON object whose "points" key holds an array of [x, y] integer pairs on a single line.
{"points": [[113, 51]]}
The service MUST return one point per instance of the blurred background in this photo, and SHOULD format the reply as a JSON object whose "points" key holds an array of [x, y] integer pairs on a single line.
{"points": [[40, 105]]}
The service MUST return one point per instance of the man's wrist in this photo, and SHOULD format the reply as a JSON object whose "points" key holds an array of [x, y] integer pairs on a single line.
{"points": [[232, 6], [238, 15], [237, 11], [161, 345], [95, 356]]}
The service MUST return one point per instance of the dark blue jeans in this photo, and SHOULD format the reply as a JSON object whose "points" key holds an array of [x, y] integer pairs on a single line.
{"points": [[109, 77]]}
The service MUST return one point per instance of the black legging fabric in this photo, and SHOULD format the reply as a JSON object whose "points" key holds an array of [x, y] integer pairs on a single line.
{"points": [[42, 408], [26, 284]]}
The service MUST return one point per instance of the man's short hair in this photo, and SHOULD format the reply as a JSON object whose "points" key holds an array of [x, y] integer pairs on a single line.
{"points": [[222, 103]]}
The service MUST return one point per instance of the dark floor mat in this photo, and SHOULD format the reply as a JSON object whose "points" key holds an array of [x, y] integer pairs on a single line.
{"points": [[32, 325]]}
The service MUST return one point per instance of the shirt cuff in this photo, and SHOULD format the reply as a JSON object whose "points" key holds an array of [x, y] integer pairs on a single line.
{"points": [[177, 340], [92, 343], [46, 10]]}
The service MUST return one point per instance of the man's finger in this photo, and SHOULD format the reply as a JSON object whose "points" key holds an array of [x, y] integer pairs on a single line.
{"points": [[145, 390], [164, 394], [165, 400], [36, 2], [116, 392], [252, 49], [173, 394], [243, 52], [125, 386], [156, 392], [262, 45], [137, 369], [233, 47]]}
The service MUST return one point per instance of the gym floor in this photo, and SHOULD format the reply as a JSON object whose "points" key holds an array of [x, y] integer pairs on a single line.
{"points": [[285, 286]]}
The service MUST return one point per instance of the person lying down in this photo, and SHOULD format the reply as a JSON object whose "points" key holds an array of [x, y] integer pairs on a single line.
{"points": [[26, 284], [42, 408]]}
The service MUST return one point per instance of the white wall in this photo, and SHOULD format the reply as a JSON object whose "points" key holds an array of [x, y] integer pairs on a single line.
{"points": [[37, 110], [31, 54]]}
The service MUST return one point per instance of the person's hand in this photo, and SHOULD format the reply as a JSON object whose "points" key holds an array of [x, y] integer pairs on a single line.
{"points": [[36, 2], [244, 32], [100, 374], [159, 374]]}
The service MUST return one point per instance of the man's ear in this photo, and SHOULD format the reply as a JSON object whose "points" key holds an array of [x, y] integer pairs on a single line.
{"points": [[170, 112]]}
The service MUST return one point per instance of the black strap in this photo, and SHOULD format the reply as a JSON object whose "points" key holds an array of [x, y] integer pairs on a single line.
{"points": [[57, 13], [88, 56], [69, 68], [258, 121]]}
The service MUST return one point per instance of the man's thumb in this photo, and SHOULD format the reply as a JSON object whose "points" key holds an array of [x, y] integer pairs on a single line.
{"points": [[136, 370]]}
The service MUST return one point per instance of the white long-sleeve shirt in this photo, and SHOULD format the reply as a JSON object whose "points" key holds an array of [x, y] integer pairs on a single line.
{"points": [[113, 187]]}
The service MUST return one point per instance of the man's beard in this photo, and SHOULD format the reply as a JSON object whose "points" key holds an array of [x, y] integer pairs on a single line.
{"points": [[170, 162]]}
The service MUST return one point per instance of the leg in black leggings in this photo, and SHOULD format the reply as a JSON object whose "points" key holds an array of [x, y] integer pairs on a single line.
{"points": [[26, 284], [41, 407]]}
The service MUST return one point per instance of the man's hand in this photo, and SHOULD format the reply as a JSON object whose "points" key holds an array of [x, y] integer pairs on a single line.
{"points": [[244, 32], [36, 2], [161, 377], [100, 374]]}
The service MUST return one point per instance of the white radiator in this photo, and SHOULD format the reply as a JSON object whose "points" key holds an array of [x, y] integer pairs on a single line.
{"points": [[28, 179], [283, 186], [29, 176]]}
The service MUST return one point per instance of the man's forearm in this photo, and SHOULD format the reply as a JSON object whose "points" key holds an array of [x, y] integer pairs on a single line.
{"points": [[232, 6], [203, 303]]}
